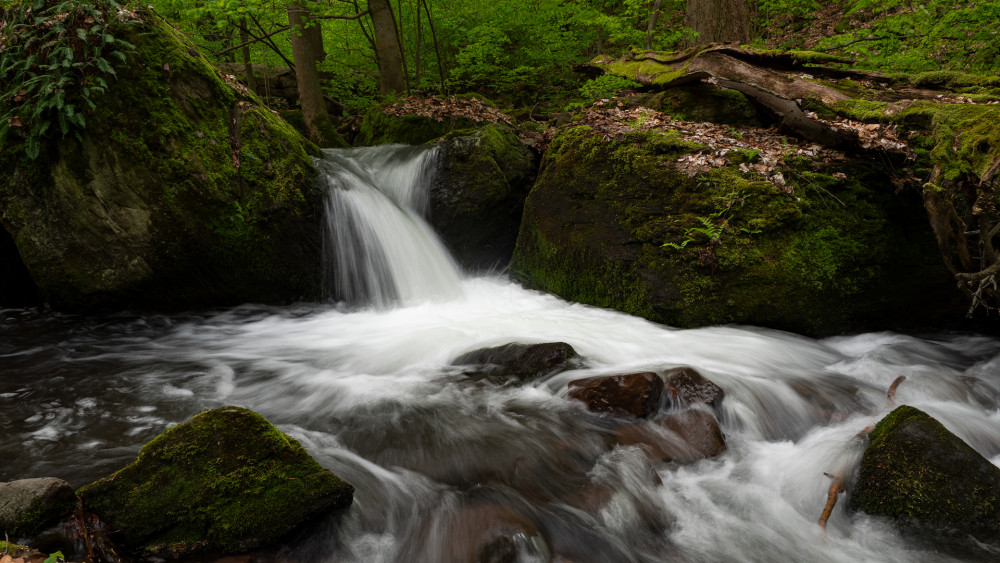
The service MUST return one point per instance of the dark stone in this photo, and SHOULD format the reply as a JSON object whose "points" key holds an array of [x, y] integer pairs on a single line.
{"points": [[478, 194], [917, 472], [699, 430], [17, 289], [226, 481], [520, 361], [181, 192], [692, 387], [613, 223], [27, 506], [635, 394]]}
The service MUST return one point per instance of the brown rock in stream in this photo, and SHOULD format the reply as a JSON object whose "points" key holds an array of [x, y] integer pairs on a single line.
{"points": [[693, 387], [520, 361], [635, 394], [700, 431]]}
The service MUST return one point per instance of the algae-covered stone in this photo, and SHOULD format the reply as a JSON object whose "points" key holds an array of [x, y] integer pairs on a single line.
{"points": [[181, 192], [478, 195], [224, 481], [28, 505], [614, 223], [381, 128], [916, 471]]}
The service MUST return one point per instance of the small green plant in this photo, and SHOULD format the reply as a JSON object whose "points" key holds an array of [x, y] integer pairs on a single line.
{"points": [[56, 557], [605, 86], [55, 56]]}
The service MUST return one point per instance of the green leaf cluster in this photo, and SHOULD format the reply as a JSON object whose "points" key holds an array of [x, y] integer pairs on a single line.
{"points": [[55, 58]]}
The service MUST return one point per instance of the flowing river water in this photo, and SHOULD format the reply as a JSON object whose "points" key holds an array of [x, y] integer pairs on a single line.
{"points": [[442, 463]]}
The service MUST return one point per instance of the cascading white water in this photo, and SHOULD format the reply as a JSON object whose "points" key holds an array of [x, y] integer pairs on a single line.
{"points": [[441, 462], [380, 249]]}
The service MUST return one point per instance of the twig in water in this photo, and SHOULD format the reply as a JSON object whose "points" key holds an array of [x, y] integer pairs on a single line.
{"points": [[891, 393], [836, 488]]}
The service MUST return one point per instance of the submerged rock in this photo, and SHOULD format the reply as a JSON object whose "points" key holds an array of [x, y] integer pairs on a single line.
{"points": [[225, 481], [700, 431], [917, 472], [519, 361], [614, 223], [634, 394], [27, 506], [692, 387], [181, 191]]}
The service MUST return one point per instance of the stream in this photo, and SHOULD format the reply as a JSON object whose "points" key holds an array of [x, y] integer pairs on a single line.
{"points": [[442, 464]]}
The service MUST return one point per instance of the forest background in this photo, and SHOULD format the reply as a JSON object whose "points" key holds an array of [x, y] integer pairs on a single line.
{"points": [[523, 53]]}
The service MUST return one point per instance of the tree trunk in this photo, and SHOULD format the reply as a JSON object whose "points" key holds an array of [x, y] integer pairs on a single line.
{"points": [[719, 21], [652, 25], [390, 58], [247, 63], [306, 77]]}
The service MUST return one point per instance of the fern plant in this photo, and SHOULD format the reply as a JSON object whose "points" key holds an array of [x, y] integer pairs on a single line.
{"points": [[55, 57]]}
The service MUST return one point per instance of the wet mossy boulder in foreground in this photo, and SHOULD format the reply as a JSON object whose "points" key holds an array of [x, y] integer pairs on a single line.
{"points": [[616, 223], [183, 191], [226, 481], [478, 194], [923, 476]]}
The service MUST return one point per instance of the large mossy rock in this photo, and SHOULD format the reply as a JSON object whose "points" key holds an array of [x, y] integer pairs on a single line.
{"points": [[919, 473], [614, 223], [478, 194], [182, 192], [225, 481], [381, 128]]}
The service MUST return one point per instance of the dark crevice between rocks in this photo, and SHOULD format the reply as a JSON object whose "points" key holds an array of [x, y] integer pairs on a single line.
{"points": [[17, 289]]}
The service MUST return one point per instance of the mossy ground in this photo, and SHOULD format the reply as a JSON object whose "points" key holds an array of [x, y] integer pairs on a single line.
{"points": [[831, 256], [225, 481], [380, 128]]}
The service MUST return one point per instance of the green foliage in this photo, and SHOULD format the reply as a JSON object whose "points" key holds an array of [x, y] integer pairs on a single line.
{"points": [[54, 58], [56, 557], [904, 35]]}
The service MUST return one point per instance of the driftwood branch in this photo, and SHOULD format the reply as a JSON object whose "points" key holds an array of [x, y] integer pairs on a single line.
{"points": [[836, 488], [891, 393]]}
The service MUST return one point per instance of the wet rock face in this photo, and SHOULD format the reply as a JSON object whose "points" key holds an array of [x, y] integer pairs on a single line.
{"points": [[28, 505], [181, 192], [478, 194], [926, 478], [636, 394], [519, 361], [226, 481], [693, 388]]}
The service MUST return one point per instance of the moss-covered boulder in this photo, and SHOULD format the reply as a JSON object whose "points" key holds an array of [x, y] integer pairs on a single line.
{"points": [[382, 128], [28, 505], [615, 223], [919, 473], [224, 481], [478, 194], [182, 191]]}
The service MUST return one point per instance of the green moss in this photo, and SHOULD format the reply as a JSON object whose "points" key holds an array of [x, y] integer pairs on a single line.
{"points": [[916, 471], [615, 224], [862, 110], [165, 203], [225, 481], [15, 550], [380, 128]]}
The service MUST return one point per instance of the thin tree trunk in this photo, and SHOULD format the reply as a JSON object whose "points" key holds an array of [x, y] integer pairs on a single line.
{"points": [[247, 63], [314, 112], [719, 21], [652, 25], [437, 51], [416, 56], [399, 41]]}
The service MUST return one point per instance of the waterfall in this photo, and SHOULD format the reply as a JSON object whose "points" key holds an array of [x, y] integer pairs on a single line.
{"points": [[379, 249]]}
